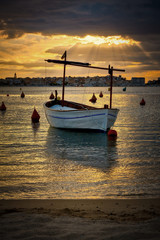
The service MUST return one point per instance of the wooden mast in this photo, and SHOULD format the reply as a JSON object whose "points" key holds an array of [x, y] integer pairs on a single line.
{"points": [[80, 64], [110, 71], [64, 76]]}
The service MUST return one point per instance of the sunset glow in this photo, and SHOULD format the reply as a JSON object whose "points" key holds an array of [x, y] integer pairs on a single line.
{"points": [[110, 40], [122, 34], [25, 55]]}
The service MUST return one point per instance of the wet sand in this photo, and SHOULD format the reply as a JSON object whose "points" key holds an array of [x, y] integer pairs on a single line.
{"points": [[80, 219]]}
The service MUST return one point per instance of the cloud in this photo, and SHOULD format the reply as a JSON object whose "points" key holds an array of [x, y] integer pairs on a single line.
{"points": [[35, 29], [73, 17], [102, 49], [30, 50]]}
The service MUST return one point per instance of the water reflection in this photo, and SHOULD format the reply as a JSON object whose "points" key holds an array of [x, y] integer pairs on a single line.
{"points": [[2, 113], [35, 127], [84, 148]]}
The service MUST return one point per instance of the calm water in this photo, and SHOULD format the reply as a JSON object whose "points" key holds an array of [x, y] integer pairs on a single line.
{"points": [[37, 161]]}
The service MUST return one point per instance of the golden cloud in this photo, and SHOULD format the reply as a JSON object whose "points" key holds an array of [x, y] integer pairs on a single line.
{"points": [[27, 53]]}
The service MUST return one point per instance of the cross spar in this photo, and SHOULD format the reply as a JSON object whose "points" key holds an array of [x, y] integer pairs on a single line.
{"points": [[87, 65]]}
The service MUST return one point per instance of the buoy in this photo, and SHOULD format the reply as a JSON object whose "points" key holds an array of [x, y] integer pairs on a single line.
{"points": [[51, 96], [101, 95], [124, 89], [7, 95], [93, 99], [35, 116], [3, 107], [112, 133], [142, 102], [22, 95]]}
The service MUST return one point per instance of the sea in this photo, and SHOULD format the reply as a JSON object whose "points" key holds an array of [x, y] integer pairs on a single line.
{"points": [[40, 162]]}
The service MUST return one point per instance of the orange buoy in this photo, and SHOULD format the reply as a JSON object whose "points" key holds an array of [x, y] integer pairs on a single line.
{"points": [[3, 107], [22, 95], [35, 116], [93, 99], [142, 102], [101, 95], [51, 96], [112, 133]]}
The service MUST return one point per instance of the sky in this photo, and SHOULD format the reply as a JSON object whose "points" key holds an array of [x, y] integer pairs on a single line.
{"points": [[124, 34]]}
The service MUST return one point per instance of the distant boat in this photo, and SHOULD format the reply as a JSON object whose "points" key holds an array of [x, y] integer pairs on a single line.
{"points": [[72, 115]]}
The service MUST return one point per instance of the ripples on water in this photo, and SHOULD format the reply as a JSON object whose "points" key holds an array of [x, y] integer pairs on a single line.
{"points": [[37, 161]]}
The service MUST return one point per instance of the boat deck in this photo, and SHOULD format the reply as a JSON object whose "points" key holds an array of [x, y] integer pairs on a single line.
{"points": [[57, 104], [61, 108]]}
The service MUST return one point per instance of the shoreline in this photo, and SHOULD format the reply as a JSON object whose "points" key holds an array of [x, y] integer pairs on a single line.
{"points": [[79, 219], [112, 209]]}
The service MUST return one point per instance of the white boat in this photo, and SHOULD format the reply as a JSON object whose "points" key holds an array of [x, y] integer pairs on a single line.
{"points": [[79, 116], [72, 115]]}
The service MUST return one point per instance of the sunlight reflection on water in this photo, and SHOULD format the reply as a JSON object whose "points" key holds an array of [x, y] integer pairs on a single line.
{"points": [[37, 161]]}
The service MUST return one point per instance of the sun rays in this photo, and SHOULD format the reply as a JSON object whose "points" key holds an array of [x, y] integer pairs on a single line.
{"points": [[110, 40], [25, 55]]}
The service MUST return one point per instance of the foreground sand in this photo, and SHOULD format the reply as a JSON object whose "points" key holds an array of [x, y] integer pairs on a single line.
{"points": [[80, 219]]}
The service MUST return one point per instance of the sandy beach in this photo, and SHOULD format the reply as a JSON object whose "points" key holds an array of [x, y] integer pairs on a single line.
{"points": [[80, 219]]}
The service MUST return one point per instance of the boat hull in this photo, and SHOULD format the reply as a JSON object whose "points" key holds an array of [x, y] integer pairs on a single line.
{"points": [[85, 118]]}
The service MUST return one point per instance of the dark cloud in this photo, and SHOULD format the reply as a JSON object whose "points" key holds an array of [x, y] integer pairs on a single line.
{"points": [[25, 64], [138, 19], [101, 17]]}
